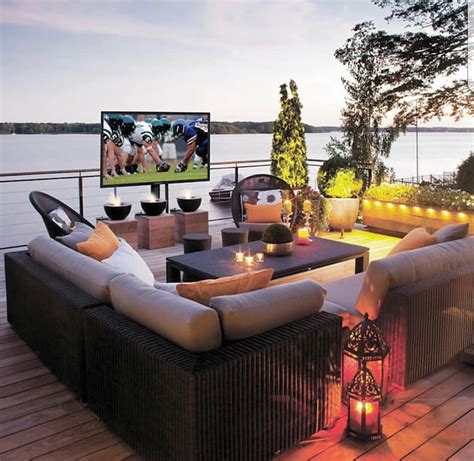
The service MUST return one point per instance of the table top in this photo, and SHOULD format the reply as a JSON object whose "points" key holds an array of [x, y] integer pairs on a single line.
{"points": [[221, 262]]}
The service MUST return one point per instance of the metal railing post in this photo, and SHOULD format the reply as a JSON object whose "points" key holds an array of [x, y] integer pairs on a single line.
{"points": [[81, 195], [236, 173]]}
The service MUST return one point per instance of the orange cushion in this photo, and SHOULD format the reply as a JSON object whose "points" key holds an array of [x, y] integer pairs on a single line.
{"points": [[263, 213], [101, 244], [203, 291], [416, 238]]}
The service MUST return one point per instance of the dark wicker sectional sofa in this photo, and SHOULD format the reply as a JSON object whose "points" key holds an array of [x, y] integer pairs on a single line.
{"points": [[249, 399]]}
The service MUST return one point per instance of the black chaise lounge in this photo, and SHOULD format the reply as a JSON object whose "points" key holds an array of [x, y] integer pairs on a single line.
{"points": [[44, 204]]}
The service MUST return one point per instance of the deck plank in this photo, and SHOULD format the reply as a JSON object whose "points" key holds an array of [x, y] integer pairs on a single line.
{"points": [[465, 453], [441, 445]]}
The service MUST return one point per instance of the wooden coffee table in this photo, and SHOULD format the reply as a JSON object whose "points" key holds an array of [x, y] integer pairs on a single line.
{"points": [[213, 264]]}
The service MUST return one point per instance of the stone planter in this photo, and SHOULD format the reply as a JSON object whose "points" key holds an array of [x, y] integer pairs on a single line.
{"points": [[399, 219], [341, 213]]}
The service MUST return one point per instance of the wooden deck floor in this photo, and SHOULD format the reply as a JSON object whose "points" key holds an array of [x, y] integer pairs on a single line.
{"points": [[40, 419]]}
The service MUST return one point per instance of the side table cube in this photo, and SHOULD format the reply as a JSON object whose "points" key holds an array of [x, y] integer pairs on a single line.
{"points": [[125, 228], [155, 231], [194, 222]]}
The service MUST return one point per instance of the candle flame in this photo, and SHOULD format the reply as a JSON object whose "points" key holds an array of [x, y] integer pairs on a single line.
{"points": [[150, 198], [187, 193], [368, 407], [114, 200]]}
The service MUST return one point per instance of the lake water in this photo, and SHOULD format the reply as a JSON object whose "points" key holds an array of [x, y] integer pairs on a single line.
{"points": [[438, 153]]}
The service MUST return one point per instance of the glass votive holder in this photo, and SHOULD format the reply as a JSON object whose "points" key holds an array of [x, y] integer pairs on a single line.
{"points": [[260, 257], [249, 261], [239, 256]]}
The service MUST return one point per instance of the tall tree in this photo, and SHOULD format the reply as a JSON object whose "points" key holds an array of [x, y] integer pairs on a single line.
{"points": [[435, 46], [289, 161], [364, 139]]}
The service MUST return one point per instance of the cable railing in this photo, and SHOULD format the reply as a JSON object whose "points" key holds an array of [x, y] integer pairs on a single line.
{"points": [[447, 178], [80, 189]]}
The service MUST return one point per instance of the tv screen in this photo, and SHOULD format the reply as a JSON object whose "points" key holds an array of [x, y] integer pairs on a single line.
{"points": [[154, 147]]}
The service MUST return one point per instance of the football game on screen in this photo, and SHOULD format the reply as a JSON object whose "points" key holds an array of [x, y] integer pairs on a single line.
{"points": [[148, 148]]}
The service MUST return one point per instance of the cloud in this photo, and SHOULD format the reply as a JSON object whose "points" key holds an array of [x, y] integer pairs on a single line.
{"points": [[92, 17]]}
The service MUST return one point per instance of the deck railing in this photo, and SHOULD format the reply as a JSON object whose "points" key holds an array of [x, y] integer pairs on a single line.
{"points": [[80, 189]]}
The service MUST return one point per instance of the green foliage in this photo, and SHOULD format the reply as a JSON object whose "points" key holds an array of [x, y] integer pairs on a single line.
{"points": [[465, 175], [433, 46], [277, 233], [428, 195], [317, 218], [331, 166], [289, 144], [49, 128], [344, 185]]}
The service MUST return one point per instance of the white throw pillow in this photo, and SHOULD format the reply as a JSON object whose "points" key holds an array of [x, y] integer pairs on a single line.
{"points": [[125, 259]]}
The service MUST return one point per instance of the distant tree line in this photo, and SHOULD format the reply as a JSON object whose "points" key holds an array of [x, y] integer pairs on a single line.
{"points": [[216, 128], [49, 128]]}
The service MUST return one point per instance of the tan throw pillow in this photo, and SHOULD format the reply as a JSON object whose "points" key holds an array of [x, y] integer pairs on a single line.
{"points": [[452, 232], [263, 213], [416, 238], [203, 291], [101, 244]]}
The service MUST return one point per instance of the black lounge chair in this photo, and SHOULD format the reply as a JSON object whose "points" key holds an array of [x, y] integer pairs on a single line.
{"points": [[44, 204], [260, 182]]}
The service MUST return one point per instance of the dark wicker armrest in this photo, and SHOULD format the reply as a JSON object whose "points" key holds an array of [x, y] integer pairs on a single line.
{"points": [[245, 400], [46, 311], [427, 323]]}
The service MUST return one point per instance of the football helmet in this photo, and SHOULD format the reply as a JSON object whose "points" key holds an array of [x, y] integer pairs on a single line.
{"points": [[128, 125]]}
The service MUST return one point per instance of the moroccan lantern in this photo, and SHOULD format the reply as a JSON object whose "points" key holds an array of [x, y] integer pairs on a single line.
{"points": [[366, 344], [364, 400]]}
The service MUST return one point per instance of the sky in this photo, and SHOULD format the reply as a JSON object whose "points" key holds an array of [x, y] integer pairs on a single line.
{"points": [[66, 60]]}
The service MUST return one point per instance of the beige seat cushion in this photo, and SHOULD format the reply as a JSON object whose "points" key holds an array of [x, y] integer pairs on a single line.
{"points": [[250, 314], [416, 238], [190, 325], [90, 275], [342, 295], [204, 290], [409, 267]]}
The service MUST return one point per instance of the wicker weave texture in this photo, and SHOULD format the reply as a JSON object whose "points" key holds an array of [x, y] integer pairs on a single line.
{"points": [[246, 400], [428, 323], [46, 311]]}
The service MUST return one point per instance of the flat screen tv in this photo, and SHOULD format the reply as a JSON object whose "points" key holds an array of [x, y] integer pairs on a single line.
{"points": [[140, 148]]}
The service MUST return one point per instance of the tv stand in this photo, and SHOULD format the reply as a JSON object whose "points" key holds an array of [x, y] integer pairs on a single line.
{"points": [[156, 190]]}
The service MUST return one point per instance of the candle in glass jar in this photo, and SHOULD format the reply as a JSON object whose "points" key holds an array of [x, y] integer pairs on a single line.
{"points": [[260, 257], [249, 261], [288, 206], [303, 236], [307, 206], [239, 256]]}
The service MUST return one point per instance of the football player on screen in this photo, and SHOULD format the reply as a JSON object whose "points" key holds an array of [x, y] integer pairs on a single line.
{"points": [[113, 140], [141, 137], [195, 133]]}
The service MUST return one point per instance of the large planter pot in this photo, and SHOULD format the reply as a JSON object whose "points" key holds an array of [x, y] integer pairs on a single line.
{"points": [[341, 213], [399, 219]]}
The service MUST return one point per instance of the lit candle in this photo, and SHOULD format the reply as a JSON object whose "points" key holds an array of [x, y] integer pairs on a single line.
{"points": [[307, 206], [249, 261], [260, 257], [239, 256], [303, 236], [288, 206]]}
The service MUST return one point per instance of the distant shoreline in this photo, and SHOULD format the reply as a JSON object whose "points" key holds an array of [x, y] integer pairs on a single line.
{"points": [[216, 128]]}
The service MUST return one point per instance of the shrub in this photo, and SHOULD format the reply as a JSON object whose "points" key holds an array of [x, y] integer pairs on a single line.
{"points": [[425, 195], [344, 185], [317, 218], [277, 233], [330, 168], [465, 175]]}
